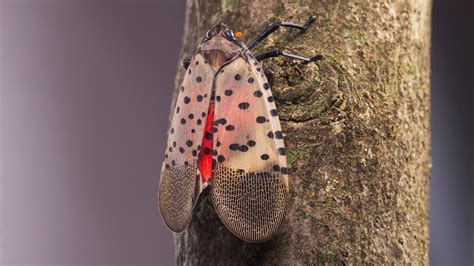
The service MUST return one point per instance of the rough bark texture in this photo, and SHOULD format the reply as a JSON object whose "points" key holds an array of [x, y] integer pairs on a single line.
{"points": [[356, 129]]}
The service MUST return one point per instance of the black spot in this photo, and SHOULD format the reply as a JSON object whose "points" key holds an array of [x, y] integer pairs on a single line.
{"points": [[183, 121], [265, 157], [251, 143], [195, 152], [237, 77], [174, 144], [261, 119], [173, 162], [167, 166], [198, 79], [228, 92], [187, 100], [189, 71], [259, 69], [250, 80], [218, 98], [170, 149], [181, 149], [189, 143], [221, 121], [205, 95], [273, 112], [207, 150], [244, 105], [214, 152], [281, 151], [220, 158], [190, 116], [199, 121], [214, 129], [257, 94], [198, 147], [177, 110], [199, 98], [278, 135], [197, 63], [186, 163], [172, 131], [276, 168], [166, 156], [193, 130], [243, 148], [229, 127], [270, 134], [270, 99], [182, 88], [218, 143], [203, 114], [208, 135], [266, 86], [284, 170], [234, 146], [214, 163]]}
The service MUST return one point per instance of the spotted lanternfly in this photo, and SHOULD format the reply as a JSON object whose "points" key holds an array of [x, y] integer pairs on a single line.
{"points": [[225, 133]]}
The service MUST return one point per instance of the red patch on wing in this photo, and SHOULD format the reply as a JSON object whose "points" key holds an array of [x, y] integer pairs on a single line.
{"points": [[205, 156]]}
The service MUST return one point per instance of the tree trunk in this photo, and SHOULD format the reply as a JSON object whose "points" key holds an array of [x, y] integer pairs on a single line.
{"points": [[356, 128]]}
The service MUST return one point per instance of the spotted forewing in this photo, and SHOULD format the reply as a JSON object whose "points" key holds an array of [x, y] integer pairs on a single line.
{"points": [[249, 190], [179, 182]]}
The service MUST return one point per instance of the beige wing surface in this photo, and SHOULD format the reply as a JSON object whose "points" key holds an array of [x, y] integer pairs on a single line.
{"points": [[250, 181], [179, 181]]}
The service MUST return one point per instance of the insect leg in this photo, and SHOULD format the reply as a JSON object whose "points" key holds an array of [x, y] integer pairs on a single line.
{"points": [[269, 75], [277, 53], [186, 62], [275, 26]]}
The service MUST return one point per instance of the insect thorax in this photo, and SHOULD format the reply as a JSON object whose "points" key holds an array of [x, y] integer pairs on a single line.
{"points": [[219, 51]]}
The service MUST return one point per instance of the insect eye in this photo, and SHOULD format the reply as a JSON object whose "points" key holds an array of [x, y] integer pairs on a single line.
{"points": [[230, 34]]}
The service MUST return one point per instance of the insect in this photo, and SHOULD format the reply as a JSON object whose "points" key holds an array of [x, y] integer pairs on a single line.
{"points": [[225, 133]]}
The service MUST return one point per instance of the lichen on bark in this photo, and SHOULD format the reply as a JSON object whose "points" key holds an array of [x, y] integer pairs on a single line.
{"points": [[356, 128]]}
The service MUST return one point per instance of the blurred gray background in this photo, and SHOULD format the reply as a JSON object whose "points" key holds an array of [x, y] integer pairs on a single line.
{"points": [[85, 90]]}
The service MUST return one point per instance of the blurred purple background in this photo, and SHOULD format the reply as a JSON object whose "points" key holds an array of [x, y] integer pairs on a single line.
{"points": [[85, 92], [86, 88]]}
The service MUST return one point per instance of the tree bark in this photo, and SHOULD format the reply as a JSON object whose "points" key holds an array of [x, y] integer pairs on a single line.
{"points": [[356, 128]]}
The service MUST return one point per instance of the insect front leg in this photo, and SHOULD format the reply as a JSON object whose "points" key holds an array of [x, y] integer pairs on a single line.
{"points": [[275, 26], [269, 75], [276, 53]]}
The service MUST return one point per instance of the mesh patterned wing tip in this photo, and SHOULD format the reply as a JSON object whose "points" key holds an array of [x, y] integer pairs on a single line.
{"points": [[176, 197], [251, 205]]}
